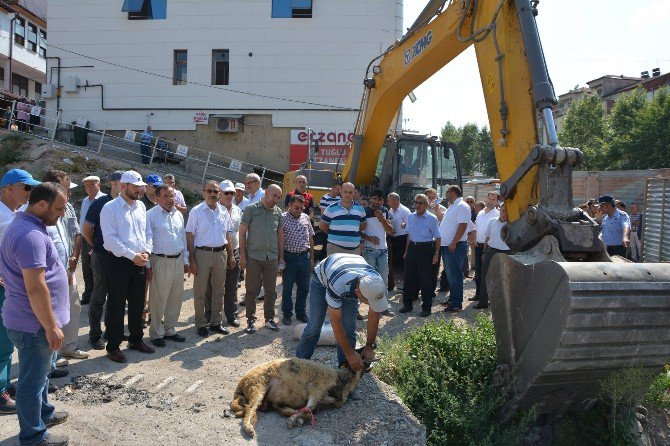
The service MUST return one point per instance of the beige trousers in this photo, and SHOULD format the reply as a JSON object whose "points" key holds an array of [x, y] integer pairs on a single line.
{"points": [[212, 266], [334, 249], [71, 330], [258, 272], [167, 287]]}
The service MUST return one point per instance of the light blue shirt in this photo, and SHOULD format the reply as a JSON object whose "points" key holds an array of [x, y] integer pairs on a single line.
{"points": [[260, 193], [146, 137], [613, 228], [243, 204], [166, 233], [63, 234], [340, 274], [422, 228]]}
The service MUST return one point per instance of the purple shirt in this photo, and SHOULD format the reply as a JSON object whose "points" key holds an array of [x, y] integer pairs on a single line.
{"points": [[26, 245]]}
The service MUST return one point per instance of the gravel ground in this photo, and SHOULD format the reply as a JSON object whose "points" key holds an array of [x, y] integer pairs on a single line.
{"points": [[181, 394]]}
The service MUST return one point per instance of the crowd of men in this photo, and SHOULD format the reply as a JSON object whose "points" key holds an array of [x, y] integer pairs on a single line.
{"points": [[138, 240]]}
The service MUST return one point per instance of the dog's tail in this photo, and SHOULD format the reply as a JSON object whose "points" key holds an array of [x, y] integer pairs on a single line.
{"points": [[239, 404]]}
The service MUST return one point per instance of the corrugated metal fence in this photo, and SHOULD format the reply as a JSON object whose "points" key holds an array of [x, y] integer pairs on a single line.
{"points": [[656, 233]]}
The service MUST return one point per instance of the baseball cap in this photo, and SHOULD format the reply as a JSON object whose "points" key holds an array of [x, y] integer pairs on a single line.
{"points": [[606, 199], [239, 186], [18, 176], [92, 178], [132, 177], [116, 175], [373, 289], [155, 180], [227, 186]]}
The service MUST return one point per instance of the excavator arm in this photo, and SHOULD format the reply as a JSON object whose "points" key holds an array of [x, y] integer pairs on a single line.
{"points": [[565, 313]]}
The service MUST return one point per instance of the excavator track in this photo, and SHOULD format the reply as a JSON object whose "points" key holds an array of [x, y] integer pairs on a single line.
{"points": [[563, 326]]}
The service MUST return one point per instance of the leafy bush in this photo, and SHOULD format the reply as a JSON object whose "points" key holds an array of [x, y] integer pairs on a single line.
{"points": [[443, 372], [658, 395], [11, 149]]}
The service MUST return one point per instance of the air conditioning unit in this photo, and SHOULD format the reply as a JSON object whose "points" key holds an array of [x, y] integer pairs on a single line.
{"points": [[228, 125], [70, 84], [48, 91]]}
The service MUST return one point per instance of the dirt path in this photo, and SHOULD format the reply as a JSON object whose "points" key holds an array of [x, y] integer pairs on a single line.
{"points": [[181, 394]]}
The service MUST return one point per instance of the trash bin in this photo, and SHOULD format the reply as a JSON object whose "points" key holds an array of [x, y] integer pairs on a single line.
{"points": [[80, 134]]}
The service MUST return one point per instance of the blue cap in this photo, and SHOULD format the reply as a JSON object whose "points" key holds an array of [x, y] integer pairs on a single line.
{"points": [[18, 176], [155, 180], [116, 175], [606, 199]]}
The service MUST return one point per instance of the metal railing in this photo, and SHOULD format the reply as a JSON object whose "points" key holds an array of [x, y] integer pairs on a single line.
{"points": [[192, 163]]}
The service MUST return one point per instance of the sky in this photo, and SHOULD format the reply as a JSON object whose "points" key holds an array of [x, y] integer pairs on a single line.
{"points": [[582, 40]]}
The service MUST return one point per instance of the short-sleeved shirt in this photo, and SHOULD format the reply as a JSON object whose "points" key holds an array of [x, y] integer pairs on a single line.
{"points": [[457, 213], [326, 201], [636, 223], [26, 245], [399, 217], [93, 217], [148, 204], [374, 227], [85, 205], [297, 232], [482, 222], [613, 228], [495, 240], [344, 225], [179, 198], [422, 228], [340, 274], [262, 226], [235, 214], [307, 205], [209, 226], [242, 204], [260, 193]]}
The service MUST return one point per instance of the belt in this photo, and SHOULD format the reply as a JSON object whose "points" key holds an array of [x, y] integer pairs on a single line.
{"points": [[480, 245], [297, 253], [207, 248], [167, 256], [421, 243]]}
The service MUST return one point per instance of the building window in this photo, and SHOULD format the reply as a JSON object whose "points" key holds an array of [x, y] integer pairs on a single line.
{"points": [[20, 31], [145, 9], [38, 91], [43, 43], [20, 85], [32, 37], [292, 9], [180, 65], [2, 77], [220, 67]]}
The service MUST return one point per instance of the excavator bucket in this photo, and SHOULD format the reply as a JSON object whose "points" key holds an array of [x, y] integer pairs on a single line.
{"points": [[563, 326]]}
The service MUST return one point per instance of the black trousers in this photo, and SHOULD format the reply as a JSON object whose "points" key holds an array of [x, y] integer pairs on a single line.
{"points": [[479, 252], [419, 276], [87, 271], [126, 283], [96, 306], [396, 247], [486, 263], [320, 239], [617, 250], [229, 292]]}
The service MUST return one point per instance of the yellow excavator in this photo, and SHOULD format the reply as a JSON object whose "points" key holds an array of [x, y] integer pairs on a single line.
{"points": [[565, 313]]}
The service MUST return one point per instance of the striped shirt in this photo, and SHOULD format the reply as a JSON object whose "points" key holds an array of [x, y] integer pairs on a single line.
{"points": [[326, 201], [344, 225], [340, 274]]}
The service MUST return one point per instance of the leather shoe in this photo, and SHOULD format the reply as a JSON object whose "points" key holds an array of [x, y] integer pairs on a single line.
{"points": [[117, 356], [141, 347], [219, 329], [480, 306], [234, 323], [451, 309], [473, 298], [57, 418], [405, 310], [58, 373], [203, 331], [158, 342], [54, 440], [176, 337], [445, 303], [97, 344], [424, 313]]}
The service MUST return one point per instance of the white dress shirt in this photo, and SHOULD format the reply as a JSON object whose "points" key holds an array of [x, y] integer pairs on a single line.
{"points": [[482, 222], [235, 214], [209, 226], [124, 228], [458, 212], [6, 217], [399, 217], [260, 193], [494, 240], [242, 204], [179, 198], [166, 233], [85, 204]]}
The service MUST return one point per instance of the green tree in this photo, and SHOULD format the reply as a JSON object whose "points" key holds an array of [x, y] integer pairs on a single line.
{"points": [[649, 145], [584, 127], [622, 120], [487, 156]]}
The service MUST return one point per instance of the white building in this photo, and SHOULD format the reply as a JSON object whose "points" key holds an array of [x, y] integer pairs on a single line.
{"points": [[23, 47], [256, 68]]}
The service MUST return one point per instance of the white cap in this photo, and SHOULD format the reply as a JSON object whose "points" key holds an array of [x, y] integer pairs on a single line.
{"points": [[239, 186], [73, 185], [373, 289], [92, 178], [132, 177], [227, 186]]}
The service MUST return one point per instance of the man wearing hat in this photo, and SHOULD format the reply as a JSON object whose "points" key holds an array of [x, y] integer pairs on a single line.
{"points": [[92, 232], [240, 200], [123, 222], [93, 192], [16, 186], [149, 199], [337, 286], [615, 227]]}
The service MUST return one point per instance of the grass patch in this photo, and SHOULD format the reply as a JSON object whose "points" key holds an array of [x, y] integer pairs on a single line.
{"points": [[11, 150], [658, 395], [443, 372], [79, 165]]}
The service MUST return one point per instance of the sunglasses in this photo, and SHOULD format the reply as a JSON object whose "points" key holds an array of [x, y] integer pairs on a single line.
{"points": [[212, 191], [27, 187], [229, 193]]}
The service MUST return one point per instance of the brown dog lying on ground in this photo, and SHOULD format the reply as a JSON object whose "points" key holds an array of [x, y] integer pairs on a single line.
{"points": [[294, 387]]}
